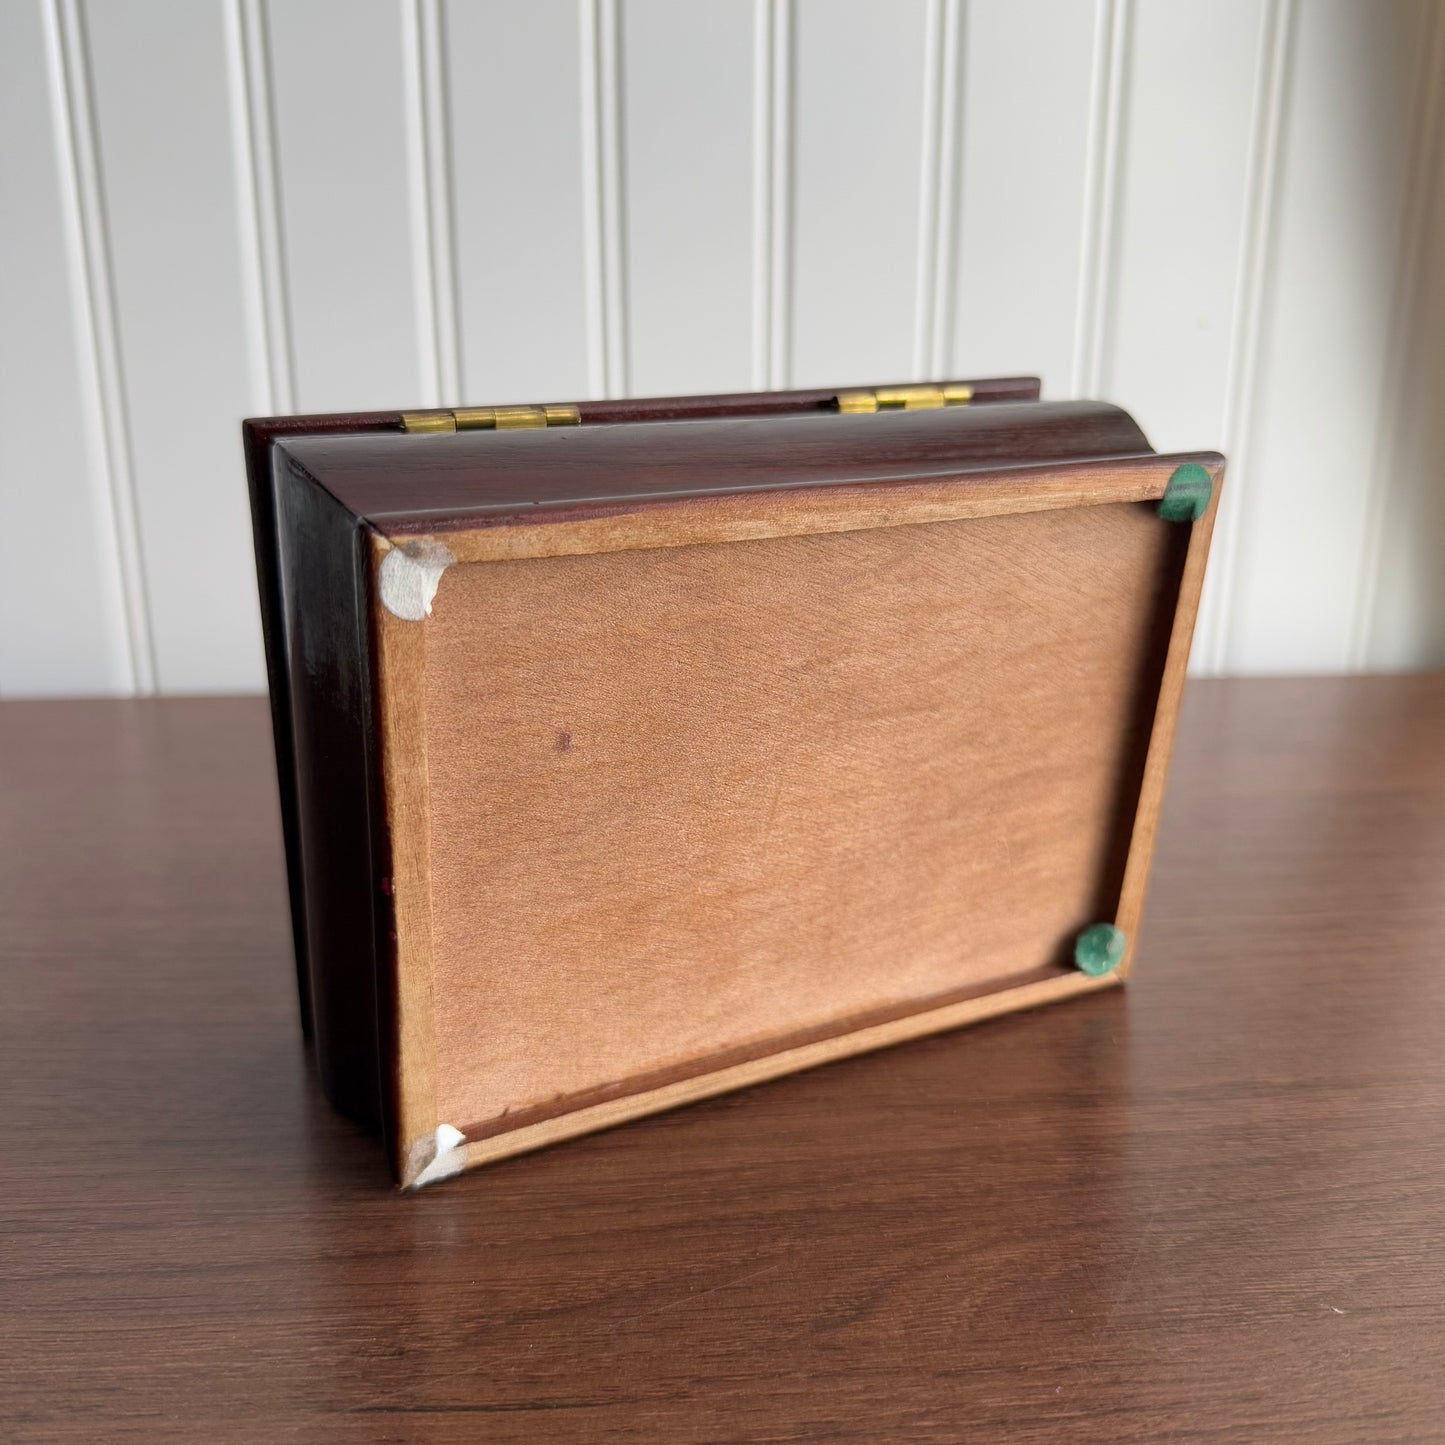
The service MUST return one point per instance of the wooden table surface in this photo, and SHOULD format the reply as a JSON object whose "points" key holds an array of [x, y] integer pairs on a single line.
{"points": [[1210, 1207]]}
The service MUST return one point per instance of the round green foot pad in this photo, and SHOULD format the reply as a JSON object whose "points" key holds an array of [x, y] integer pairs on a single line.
{"points": [[1099, 949], [1186, 498]]}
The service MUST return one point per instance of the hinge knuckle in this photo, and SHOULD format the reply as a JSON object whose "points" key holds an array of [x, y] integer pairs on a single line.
{"points": [[490, 418], [904, 398], [529, 418], [428, 421]]}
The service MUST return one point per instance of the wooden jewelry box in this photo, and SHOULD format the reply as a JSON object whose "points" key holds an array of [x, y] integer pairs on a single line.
{"points": [[635, 751]]}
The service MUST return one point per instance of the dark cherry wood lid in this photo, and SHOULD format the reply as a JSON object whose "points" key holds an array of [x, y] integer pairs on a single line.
{"points": [[443, 480]]}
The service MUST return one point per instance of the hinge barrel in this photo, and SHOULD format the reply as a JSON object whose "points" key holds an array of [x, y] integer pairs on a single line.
{"points": [[490, 418], [526, 418], [904, 398]]}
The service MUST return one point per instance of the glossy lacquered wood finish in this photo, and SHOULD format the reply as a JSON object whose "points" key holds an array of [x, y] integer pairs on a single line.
{"points": [[324, 580], [1206, 1206], [798, 471], [264, 430], [260, 436], [431, 482]]}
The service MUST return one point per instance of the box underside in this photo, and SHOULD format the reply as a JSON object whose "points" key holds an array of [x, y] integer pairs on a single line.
{"points": [[694, 805]]}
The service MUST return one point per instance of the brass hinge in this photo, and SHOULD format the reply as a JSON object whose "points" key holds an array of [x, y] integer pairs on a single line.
{"points": [[904, 398], [491, 418]]}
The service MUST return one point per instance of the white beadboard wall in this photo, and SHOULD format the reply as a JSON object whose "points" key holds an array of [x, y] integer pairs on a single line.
{"points": [[1224, 214]]}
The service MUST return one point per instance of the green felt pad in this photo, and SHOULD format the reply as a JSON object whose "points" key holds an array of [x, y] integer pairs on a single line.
{"points": [[1099, 949], [1186, 498]]}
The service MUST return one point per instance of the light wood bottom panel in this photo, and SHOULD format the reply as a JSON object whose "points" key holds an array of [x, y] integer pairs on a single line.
{"points": [[693, 805]]}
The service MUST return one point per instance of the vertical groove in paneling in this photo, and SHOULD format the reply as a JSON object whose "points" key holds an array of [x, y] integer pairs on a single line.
{"points": [[470, 268], [62, 599], [1341, 189], [1246, 327], [164, 112], [762, 218], [85, 183], [770, 150], [930, 142], [594, 262], [945, 211], [603, 183], [424, 279], [432, 80], [1175, 282], [1101, 177], [1403, 345], [610, 83], [261, 203], [248, 223], [938, 153]]}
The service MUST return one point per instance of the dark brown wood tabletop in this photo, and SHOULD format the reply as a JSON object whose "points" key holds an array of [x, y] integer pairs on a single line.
{"points": [[1210, 1206]]}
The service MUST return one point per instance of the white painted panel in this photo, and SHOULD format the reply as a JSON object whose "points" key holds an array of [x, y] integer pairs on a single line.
{"points": [[1028, 68], [1221, 213], [1403, 598], [859, 118], [340, 96], [516, 134], [1179, 327], [165, 91], [1327, 324], [61, 600], [1182, 199], [688, 175], [1407, 621]]}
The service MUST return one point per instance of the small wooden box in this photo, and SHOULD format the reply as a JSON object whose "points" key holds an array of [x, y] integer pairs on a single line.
{"points": [[635, 751]]}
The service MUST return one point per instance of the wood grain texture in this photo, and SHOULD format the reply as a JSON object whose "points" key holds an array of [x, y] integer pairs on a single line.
{"points": [[257, 436], [1159, 749], [690, 806], [400, 700], [1204, 1206], [365, 963], [638, 408], [429, 481], [522, 1131], [800, 511], [322, 651], [260, 436]]}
